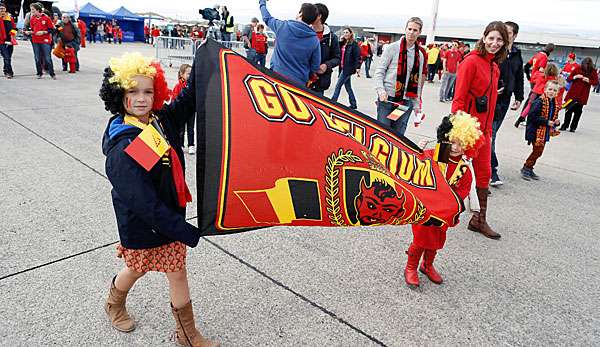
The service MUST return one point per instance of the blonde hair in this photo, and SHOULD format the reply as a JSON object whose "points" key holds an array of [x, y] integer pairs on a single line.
{"points": [[182, 69], [465, 129], [129, 65]]}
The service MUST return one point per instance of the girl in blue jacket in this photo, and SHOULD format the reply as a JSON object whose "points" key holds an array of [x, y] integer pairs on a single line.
{"points": [[149, 202]]}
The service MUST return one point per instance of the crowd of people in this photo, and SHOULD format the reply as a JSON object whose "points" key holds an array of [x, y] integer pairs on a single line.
{"points": [[480, 84]]}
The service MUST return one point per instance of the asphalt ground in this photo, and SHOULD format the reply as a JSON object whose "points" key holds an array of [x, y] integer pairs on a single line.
{"points": [[538, 285]]}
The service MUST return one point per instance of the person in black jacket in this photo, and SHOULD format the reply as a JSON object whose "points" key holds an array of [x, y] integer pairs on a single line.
{"points": [[511, 83], [149, 200], [349, 65], [330, 51]]}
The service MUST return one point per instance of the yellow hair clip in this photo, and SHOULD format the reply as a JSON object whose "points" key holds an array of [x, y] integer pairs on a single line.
{"points": [[129, 65]]}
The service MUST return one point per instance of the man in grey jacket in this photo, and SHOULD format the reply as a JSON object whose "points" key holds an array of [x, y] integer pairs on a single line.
{"points": [[402, 87]]}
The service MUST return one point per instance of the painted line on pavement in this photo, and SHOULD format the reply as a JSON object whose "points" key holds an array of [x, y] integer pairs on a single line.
{"points": [[243, 262]]}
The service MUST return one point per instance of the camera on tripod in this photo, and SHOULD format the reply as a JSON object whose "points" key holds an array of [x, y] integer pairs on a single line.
{"points": [[210, 14]]}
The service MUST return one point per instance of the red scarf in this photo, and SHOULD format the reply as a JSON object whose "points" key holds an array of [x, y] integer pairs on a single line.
{"points": [[410, 91], [183, 192]]}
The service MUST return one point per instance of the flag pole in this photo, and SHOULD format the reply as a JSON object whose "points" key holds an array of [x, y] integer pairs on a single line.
{"points": [[434, 14]]}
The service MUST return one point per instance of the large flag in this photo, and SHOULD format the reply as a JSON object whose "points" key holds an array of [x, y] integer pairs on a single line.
{"points": [[275, 153]]}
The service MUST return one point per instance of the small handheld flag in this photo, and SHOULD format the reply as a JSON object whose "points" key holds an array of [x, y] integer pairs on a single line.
{"points": [[147, 148]]}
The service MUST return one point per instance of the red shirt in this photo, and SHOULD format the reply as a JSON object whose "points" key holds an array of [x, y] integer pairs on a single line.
{"points": [[452, 60], [41, 23], [146, 30], [259, 43], [476, 76], [540, 83], [569, 67], [538, 61], [155, 32]]}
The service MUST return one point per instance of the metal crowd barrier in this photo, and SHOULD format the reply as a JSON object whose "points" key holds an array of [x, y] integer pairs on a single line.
{"points": [[177, 50]]}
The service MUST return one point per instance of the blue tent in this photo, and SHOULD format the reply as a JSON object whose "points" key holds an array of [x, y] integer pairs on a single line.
{"points": [[131, 24], [88, 12]]}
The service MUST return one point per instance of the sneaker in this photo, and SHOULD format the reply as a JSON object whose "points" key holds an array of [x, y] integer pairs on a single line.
{"points": [[53, 77], [525, 174], [496, 181], [192, 150], [39, 77], [533, 175]]}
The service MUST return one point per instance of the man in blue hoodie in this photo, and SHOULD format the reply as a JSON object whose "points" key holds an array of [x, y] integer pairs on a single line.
{"points": [[297, 52]]}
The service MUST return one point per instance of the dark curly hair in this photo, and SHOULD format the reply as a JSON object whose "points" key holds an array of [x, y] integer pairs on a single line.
{"points": [[443, 129], [112, 94]]}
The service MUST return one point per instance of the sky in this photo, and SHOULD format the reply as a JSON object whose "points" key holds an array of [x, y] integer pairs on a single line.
{"points": [[571, 16]]}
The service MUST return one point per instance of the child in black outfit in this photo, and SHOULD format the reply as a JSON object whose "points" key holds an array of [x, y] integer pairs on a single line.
{"points": [[149, 198], [541, 120]]}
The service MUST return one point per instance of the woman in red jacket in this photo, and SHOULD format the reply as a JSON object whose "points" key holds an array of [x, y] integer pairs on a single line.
{"points": [[581, 78], [476, 92]]}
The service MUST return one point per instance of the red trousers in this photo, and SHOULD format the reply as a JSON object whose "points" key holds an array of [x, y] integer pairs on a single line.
{"points": [[536, 153], [482, 164], [71, 62], [429, 237]]}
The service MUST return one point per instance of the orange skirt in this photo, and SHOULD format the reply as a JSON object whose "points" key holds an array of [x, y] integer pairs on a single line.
{"points": [[165, 258]]}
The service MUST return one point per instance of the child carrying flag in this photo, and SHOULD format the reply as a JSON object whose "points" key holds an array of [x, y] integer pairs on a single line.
{"points": [[144, 164], [457, 134]]}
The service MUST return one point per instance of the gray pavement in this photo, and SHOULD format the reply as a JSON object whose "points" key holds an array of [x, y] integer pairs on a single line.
{"points": [[538, 285]]}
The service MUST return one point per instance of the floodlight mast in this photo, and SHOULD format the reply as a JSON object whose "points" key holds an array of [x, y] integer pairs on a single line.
{"points": [[434, 15]]}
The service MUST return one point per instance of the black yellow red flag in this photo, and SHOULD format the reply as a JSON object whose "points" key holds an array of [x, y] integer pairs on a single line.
{"points": [[273, 153]]}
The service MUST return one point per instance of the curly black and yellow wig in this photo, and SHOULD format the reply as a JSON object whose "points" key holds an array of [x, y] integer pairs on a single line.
{"points": [[118, 78]]}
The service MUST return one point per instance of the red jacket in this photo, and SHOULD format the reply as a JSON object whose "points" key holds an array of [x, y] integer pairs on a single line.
{"points": [[41, 23], [178, 88], [431, 237], [82, 27], [13, 29], [473, 79], [580, 90], [540, 83]]}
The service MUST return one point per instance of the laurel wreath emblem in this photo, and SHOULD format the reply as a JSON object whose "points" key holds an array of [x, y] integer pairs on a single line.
{"points": [[332, 179]]}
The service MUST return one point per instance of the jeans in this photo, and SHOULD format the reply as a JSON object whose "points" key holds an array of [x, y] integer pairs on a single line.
{"points": [[399, 126], [251, 54], [368, 61], [260, 59], [499, 114], [6, 51], [189, 126], [41, 52], [447, 82], [346, 81], [431, 70]]}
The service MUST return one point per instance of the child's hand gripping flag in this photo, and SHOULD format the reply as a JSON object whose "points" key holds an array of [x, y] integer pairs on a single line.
{"points": [[147, 148]]}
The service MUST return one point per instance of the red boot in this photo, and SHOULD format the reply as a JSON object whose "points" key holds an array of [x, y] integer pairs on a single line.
{"points": [[428, 269], [411, 276]]}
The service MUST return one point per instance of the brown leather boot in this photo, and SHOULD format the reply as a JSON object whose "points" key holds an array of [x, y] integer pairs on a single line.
{"points": [[186, 333], [478, 222], [116, 311]]}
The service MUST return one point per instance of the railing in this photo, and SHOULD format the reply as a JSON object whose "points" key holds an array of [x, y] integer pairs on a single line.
{"points": [[178, 50]]}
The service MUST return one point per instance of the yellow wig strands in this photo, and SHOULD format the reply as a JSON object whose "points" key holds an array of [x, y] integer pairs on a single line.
{"points": [[465, 129], [129, 65]]}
